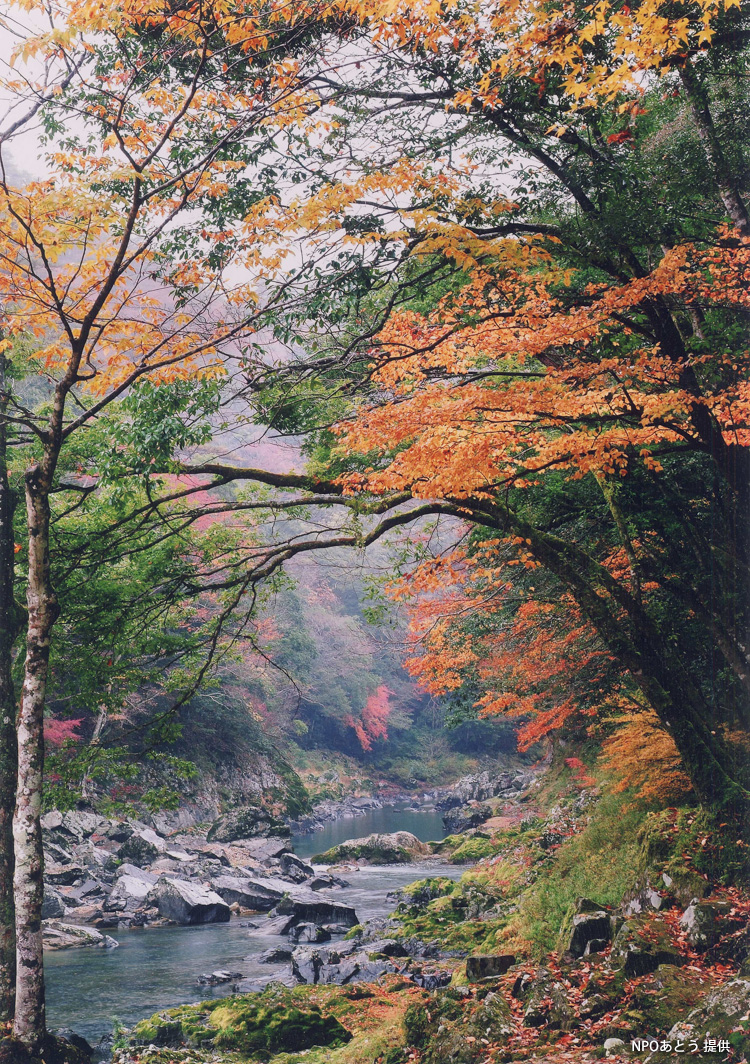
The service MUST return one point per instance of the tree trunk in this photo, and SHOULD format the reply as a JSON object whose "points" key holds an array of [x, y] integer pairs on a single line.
{"points": [[30, 1026], [8, 758], [633, 637], [725, 180]]}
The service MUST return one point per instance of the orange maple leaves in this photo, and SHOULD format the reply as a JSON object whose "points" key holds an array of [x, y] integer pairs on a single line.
{"points": [[536, 385]]}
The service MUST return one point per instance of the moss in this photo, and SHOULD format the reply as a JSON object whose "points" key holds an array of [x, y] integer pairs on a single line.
{"points": [[256, 1024], [366, 852], [664, 998], [248, 1027], [600, 863], [686, 842], [474, 849]]}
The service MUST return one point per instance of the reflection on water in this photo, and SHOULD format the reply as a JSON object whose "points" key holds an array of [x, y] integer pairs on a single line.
{"points": [[426, 825], [88, 989]]}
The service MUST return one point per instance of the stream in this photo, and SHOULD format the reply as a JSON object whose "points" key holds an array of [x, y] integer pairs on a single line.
{"points": [[90, 989]]}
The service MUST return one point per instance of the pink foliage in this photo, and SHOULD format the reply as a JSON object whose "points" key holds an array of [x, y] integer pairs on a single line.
{"points": [[57, 732], [374, 721]]}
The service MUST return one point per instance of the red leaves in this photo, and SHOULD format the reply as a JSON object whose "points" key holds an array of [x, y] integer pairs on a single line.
{"points": [[621, 137], [58, 732], [374, 721]]}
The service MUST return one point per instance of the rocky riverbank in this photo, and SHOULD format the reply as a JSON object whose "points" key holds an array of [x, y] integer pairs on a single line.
{"points": [[109, 874], [591, 930]]}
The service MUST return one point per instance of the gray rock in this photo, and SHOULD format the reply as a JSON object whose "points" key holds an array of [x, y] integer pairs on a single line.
{"points": [[326, 965], [58, 935], [52, 820], [466, 817], [130, 891], [265, 850], [187, 903], [398, 847], [613, 1045], [707, 921], [64, 874], [143, 847], [56, 855], [588, 927], [308, 907], [308, 933], [322, 881], [642, 944], [260, 895], [246, 822], [645, 898], [547, 1004], [276, 955], [82, 825], [485, 967], [280, 925], [718, 1015], [296, 869], [53, 906], [218, 978]]}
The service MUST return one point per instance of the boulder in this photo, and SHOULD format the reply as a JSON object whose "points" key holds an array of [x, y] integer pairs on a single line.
{"points": [[276, 955], [280, 925], [642, 944], [218, 978], [308, 907], [53, 906], [486, 967], [130, 891], [260, 895], [263, 850], [466, 817], [684, 884], [246, 822], [83, 825], [589, 925], [705, 922], [64, 874], [187, 903], [547, 1004], [722, 1014], [143, 847], [326, 965], [58, 935], [309, 933], [322, 881], [644, 898], [56, 855], [400, 847], [294, 868]]}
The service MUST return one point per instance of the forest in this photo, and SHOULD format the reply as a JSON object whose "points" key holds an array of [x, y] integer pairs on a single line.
{"points": [[374, 417]]}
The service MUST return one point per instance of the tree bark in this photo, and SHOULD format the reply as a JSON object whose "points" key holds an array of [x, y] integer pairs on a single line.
{"points": [[725, 180], [8, 755], [30, 1025]]}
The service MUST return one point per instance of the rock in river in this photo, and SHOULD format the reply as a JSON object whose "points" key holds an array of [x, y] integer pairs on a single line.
{"points": [[58, 935], [187, 903], [399, 848]]}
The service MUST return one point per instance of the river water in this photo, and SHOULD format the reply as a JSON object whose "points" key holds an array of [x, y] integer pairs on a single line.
{"points": [[89, 989]]}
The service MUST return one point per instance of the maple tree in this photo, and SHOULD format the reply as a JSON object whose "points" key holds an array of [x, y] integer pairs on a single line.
{"points": [[582, 318], [101, 263]]}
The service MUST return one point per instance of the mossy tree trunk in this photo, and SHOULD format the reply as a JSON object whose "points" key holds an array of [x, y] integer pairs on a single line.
{"points": [[8, 755]]}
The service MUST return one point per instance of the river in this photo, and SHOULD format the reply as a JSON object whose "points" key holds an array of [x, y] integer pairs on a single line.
{"points": [[89, 989]]}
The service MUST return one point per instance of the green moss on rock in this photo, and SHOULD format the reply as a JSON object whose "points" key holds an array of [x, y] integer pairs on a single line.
{"points": [[254, 1025]]}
